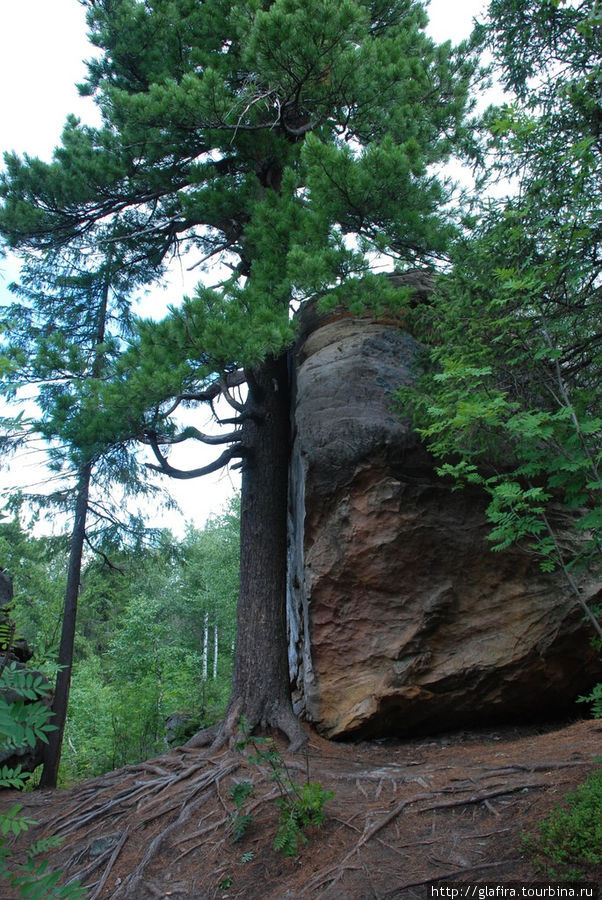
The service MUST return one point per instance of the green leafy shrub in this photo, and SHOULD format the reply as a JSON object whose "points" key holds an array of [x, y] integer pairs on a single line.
{"points": [[570, 837], [24, 714], [300, 809], [595, 698], [239, 793], [301, 805], [25, 719]]}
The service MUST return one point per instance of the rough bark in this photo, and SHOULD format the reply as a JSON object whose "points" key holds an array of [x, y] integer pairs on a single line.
{"points": [[52, 751], [261, 689]]}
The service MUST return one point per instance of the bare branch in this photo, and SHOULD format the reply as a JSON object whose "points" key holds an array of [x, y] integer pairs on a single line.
{"points": [[216, 388], [148, 437], [239, 407], [236, 450], [103, 556], [237, 420]]}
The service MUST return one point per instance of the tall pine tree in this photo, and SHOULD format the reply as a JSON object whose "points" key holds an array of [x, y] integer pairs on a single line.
{"points": [[65, 331], [288, 146]]}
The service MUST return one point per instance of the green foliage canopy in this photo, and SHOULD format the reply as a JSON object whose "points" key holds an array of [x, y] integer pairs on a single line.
{"points": [[289, 142], [511, 398]]}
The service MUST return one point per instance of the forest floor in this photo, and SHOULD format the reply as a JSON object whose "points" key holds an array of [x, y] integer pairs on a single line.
{"points": [[405, 815]]}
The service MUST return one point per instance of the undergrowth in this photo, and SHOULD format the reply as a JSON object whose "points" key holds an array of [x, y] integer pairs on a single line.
{"points": [[569, 838], [24, 720], [301, 805]]}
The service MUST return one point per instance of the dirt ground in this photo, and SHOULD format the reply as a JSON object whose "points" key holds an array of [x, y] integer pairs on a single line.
{"points": [[407, 814]]}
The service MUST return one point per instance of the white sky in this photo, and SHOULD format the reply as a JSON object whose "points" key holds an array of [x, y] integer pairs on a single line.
{"points": [[42, 47]]}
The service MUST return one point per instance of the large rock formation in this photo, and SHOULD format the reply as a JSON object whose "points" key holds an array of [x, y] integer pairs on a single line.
{"points": [[402, 620]]}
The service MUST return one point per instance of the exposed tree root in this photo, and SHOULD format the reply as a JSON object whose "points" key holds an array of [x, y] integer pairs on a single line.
{"points": [[455, 873], [129, 887], [170, 821], [236, 726], [112, 861], [203, 738], [333, 875], [489, 795]]}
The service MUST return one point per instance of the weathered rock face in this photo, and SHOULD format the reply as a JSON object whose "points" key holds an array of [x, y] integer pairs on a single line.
{"points": [[6, 590], [402, 620]]}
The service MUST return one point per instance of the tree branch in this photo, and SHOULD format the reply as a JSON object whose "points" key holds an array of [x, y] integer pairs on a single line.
{"points": [[236, 450], [103, 556], [216, 388], [239, 407], [150, 437]]}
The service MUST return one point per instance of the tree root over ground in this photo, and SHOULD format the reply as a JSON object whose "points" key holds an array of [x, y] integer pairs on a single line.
{"points": [[404, 815]]}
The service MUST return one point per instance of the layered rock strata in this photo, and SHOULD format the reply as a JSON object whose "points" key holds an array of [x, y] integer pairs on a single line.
{"points": [[402, 620]]}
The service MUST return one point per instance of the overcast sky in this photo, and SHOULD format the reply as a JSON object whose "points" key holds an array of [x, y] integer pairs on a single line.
{"points": [[42, 48]]}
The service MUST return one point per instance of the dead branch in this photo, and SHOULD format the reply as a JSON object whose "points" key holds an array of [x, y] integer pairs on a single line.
{"points": [[453, 874], [236, 451], [480, 798]]}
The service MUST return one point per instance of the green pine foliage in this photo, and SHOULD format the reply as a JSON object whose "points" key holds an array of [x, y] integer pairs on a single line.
{"points": [[292, 148], [62, 336], [292, 142]]}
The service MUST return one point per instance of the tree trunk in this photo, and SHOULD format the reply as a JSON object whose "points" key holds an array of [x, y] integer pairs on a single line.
{"points": [[205, 651], [52, 750], [261, 688], [215, 650]]}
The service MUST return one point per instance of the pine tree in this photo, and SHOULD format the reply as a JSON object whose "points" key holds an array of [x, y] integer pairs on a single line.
{"points": [[288, 146], [64, 332]]}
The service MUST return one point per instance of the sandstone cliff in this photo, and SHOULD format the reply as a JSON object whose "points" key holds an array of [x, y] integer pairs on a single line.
{"points": [[402, 620]]}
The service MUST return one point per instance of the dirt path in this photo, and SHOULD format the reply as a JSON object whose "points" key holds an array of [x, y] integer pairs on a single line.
{"points": [[450, 808]]}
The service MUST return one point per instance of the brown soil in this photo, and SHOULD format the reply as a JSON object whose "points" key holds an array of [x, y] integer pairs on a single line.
{"points": [[407, 814]]}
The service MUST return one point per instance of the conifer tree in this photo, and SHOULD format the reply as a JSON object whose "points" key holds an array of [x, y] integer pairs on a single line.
{"points": [[288, 146], [64, 332]]}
